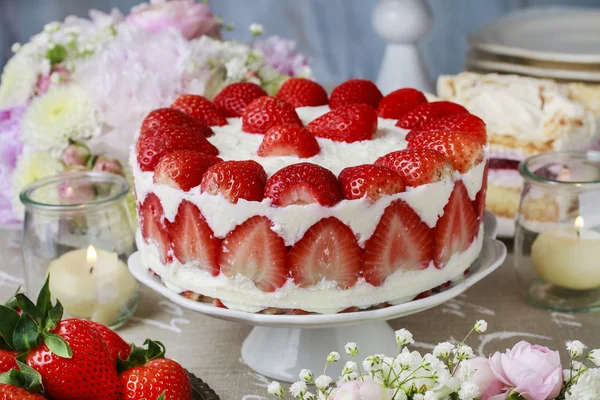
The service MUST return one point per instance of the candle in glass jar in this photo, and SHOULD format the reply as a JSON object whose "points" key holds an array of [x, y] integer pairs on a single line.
{"points": [[568, 258]]}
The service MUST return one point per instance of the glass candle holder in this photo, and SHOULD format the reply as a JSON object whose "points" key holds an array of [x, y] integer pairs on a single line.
{"points": [[79, 230], [557, 236]]}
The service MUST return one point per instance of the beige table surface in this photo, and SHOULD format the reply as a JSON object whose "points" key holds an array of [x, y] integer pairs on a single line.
{"points": [[210, 348]]}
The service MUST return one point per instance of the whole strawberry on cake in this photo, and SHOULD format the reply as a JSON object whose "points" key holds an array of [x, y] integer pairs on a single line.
{"points": [[309, 203]]}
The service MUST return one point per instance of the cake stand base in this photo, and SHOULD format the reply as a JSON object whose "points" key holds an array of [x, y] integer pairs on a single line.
{"points": [[280, 353]]}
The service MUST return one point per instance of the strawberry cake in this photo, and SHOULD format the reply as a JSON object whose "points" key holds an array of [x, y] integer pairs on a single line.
{"points": [[306, 202]]}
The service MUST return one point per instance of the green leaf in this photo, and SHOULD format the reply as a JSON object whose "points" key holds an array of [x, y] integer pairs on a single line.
{"points": [[27, 306], [54, 316], [31, 379], [57, 345], [44, 301], [515, 396], [155, 349], [8, 322], [12, 301], [57, 54], [162, 396], [26, 334]]}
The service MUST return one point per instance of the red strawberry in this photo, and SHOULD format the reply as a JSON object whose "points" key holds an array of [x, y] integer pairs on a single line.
{"points": [[192, 239], [350, 123], [288, 140], [199, 108], [255, 251], [266, 112], [117, 347], [417, 166], [401, 241], [7, 360], [183, 169], [399, 102], [153, 225], [369, 180], [456, 228], [236, 180], [219, 304], [303, 183], [301, 92], [465, 123], [479, 202], [10, 392], [234, 98], [328, 250], [90, 374], [355, 91], [169, 116], [155, 143], [463, 150], [427, 112]]}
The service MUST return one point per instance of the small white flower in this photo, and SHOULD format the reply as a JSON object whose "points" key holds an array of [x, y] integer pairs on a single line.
{"points": [[73, 30], [309, 396], [594, 357], [275, 389], [466, 370], [236, 68], [306, 375], [15, 47], [55, 77], [334, 356], [429, 395], [351, 348], [468, 391], [19, 78], [349, 367], [45, 67], [418, 396], [305, 72], [90, 48], [352, 376], [404, 337], [52, 27], [464, 352], [322, 382], [443, 350], [575, 348], [372, 363], [587, 386], [257, 29], [298, 389], [481, 326], [51, 46]]}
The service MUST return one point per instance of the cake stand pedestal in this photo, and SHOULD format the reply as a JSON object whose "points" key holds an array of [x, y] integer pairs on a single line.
{"points": [[280, 346]]}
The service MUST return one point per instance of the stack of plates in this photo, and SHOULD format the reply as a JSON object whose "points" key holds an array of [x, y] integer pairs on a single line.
{"points": [[556, 43]]}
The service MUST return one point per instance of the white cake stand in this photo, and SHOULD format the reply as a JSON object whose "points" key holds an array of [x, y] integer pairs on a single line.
{"points": [[279, 346]]}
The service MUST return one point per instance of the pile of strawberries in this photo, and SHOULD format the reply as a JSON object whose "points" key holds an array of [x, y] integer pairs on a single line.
{"points": [[443, 138], [45, 357]]}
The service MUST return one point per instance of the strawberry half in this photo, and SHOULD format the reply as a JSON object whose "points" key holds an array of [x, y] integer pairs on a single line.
{"points": [[369, 180], [417, 166], [355, 91], [301, 92], [328, 250], [288, 140], [399, 102], [427, 112], [462, 150], [266, 112], [155, 143], [234, 98], [464, 123], [401, 241], [200, 108], [479, 202], [303, 183], [255, 251], [169, 116], [153, 225], [235, 180], [351, 123], [192, 239], [456, 228], [183, 169]]}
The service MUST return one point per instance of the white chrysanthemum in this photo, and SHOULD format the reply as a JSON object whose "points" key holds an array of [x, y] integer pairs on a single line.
{"points": [[351, 349], [481, 326], [404, 337], [587, 386], [594, 357], [306, 375], [275, 389], [61, 114], [443, 349], [322, 382], [298, 388], [334, 356], [575, 348], [468, 391], [19, 78]]}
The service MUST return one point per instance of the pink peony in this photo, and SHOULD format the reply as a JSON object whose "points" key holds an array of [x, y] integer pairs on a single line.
{"points": [[359, 390], [188, 17]]}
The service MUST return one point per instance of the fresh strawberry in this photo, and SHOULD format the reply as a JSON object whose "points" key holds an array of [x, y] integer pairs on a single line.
{"points": [[155, 143], [399, 102], [456, 228], [288, 140], [235, 180], [219, 304], [11, 392], [199, 108], [7, 360], [328, 250], [192, 239], [465, 123], [369, 180], [401, 241], [183, 169], [355, 91], [266, 112], [117, 347], [153, 225], [169, 116], [479, 202], [301, 92], [234, 98], [350, 123], [303, 183], [417, 166], [463, 150], [427, 112], [255, 251]]}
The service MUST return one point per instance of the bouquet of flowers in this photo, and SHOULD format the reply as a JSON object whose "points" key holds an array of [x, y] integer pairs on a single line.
{"points": [[75, 94], [451, 371]]}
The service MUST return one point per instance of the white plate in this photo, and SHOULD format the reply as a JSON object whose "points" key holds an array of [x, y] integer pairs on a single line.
{"points": [[549, 34]]}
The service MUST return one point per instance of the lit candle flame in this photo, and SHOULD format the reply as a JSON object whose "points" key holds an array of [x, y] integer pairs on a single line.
{"points": [[579, 223], [92, 256]]}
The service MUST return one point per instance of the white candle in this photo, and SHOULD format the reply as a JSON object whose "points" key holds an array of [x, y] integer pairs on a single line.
{"points": [[569, 258]]}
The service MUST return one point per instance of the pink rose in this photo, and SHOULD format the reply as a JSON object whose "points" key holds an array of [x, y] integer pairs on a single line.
{"points": [[190, 18], [359, 390], [533, 371], [484, 378]]}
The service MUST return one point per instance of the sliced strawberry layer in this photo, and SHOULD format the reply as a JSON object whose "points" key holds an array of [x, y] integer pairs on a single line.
{"points": [[417, 166], [464, 123], [234, 98], [235, 180], [399, 102], [169, 116], [303, 183], [154, 226], [369, 180], [192, 239], [355, 91], [401, 241], [427, 112], [457, 227], [301, 92], [350, 123], [266, 112], [463, 150], [200, 108], [479, 202], [288, 140], [183, 169], [328, 250], [255, 251]]}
